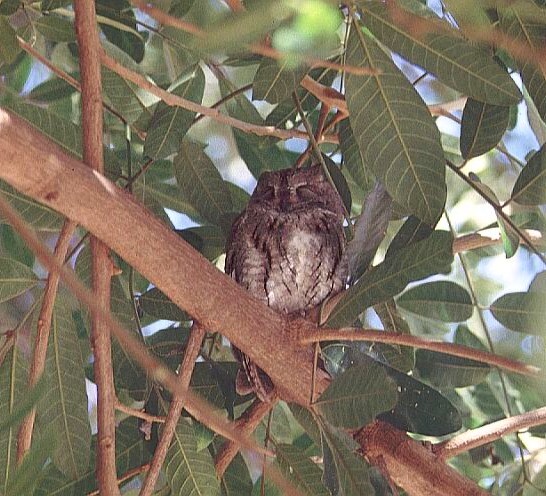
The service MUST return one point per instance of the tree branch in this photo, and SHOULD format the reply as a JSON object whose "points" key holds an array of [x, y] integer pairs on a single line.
{"points": [[378, 336], [175, 409], [160, 255], [92, 135], [410, 465], [489, 433], [37, 366]]}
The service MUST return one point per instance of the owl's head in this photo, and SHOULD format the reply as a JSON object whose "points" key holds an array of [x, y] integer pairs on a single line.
{"points": [[294, 190]]}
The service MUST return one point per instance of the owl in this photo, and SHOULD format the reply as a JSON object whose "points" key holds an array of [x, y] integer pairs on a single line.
{"points": [[287, 248]]}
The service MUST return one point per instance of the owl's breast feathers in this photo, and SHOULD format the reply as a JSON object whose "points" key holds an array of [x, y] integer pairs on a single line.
{"points": [[292, 261]]}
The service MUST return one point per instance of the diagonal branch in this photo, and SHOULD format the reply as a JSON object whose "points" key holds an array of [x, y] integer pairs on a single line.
{"points": [[65, 184], [37, 366], [175, 409]]}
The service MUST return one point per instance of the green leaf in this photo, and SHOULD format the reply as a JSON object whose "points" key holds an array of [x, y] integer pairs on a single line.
{"points": [[132, 451], [395, 132], [200, 182], [27, 402], [352, 157], [238, 28], [13, 387], [521, 312], [430, 256], [188, 471], [9, 46], [157, 304], [39, 217], [52, 89], [357, 396], [61, 131], [339, 181], [210, 241], [236, 479], [118, 23], [13, 245], [482, 127], [64, 409], [412, 231], [510, 238], [455, 61], [15, 278], [447, 371], [276, 80], [30, 470], [170, 124], [258, 152], [440, 300], [530, 187], [530, 30], [341, 461], [298, 468], [56, 28], [421, 409]]}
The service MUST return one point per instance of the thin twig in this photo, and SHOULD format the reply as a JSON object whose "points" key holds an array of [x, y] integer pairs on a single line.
{"points": [[498, 209], [126, 476], [27, 47], [92, 136], [43, 327], [377, 336], [175, 409], [174, 100], [489, 433], [133, 412]]}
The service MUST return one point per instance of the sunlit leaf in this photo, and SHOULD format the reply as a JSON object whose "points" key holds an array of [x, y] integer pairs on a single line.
{"points": [[397, 137], [482, 127], [530, 187], [521, 312], [170, 124], [441, 300], [275, 80], [419, 260], [200, 182], [352, 157], [455, 61], [357, 396], [236, 479]]}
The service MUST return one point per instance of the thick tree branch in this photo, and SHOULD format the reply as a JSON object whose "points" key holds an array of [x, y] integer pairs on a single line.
{"points": [[92, 129], [196, 406], [410, 465], [66, 185]]}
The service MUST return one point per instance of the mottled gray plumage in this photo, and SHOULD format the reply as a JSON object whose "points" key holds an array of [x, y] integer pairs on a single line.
{"points": [[287, 249]]}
